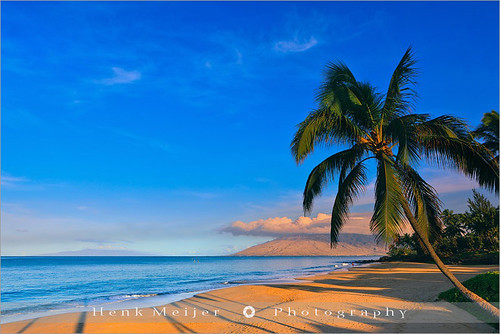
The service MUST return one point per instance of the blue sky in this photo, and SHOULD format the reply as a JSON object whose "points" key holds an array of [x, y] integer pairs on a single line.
{"points": [[151, 126]]}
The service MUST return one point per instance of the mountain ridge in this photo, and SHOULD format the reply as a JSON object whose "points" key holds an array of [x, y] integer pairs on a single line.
{"points": [[350, 244]]}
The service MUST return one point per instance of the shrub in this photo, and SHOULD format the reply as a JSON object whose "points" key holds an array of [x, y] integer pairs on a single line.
{"points": [[484, 285]]}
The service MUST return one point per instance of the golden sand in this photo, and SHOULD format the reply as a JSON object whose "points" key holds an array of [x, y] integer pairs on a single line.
{"points": [[383, 297]]}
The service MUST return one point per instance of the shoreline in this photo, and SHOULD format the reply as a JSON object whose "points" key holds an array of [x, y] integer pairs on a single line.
{"points": [[402, 287], [163, 299]]}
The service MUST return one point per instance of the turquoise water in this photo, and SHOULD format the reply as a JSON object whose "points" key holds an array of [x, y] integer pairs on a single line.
{"points": [[34, 285]]}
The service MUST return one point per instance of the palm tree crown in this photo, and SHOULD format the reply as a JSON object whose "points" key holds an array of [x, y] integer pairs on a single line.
{"points": [[383, 128]]}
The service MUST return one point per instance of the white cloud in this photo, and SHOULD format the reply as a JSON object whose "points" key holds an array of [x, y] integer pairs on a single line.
{"points": [[295, 45], [281, 226], [121, 76]]}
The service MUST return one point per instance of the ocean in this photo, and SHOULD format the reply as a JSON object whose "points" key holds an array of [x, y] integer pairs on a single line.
{"points": [[44, 285]]}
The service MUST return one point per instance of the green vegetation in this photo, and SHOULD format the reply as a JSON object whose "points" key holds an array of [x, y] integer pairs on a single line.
{"points": [[485, 285], [468, 238], [381, 129]]}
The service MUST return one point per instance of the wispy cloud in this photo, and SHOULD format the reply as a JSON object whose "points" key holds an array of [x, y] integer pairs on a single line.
{"points": [[39, 233], [206, 195], [103, 241], [450, 182], [21, 119], [295, 45], [121, 76], [13, 181], [263, 180], [155, 143], [25, 184], [239, 57]]}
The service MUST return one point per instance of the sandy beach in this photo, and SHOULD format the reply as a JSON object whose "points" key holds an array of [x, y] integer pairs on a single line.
{"points": [[382, 297]]}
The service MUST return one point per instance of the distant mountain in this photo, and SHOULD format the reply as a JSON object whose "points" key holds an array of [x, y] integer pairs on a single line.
{"points": [[98, 252], [350, 244]]}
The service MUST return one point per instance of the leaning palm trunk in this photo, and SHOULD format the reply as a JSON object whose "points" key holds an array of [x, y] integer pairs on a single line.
{"points": [[489, 308]]}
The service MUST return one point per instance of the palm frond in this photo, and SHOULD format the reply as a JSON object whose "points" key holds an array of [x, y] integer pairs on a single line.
{"points": [[348, 190], [446, 126], [470, 158], [424, 200], [400, 94], [325, 171], [366, 110], [401, 130], [325, 127], [357, 100], [337, 75], [446, 142], [387, 220], [488, 131]]}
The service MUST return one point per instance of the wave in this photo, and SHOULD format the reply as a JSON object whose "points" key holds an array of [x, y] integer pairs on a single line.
{"points": [[78, 303]]}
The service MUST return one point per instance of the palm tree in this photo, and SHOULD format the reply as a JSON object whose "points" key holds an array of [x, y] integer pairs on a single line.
{"points": [[488, 131], [382, 128]]}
